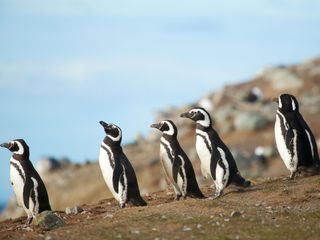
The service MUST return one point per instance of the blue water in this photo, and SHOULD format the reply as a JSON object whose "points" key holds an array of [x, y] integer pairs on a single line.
{"points": [[2, 205]]}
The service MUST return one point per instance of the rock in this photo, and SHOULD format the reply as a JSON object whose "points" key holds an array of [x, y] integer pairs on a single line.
{"points": [[46, 165], [241, 160], [74, 210], [253, 96], [282, 78], [249, 121], [267, 151], [206, 103], [186, 229], [235, 214], [224, 118], [48, 220]]}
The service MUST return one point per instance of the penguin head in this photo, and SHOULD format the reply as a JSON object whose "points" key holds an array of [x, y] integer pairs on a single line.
{"points": [[287, 103], [167, 127], [113, 131], [199, 115], [17, 146]]}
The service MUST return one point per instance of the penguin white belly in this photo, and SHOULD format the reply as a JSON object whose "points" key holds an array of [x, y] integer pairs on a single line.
{"points": [[17, 180], [222, 175], [282, 147], [204, 156], [107, 171]]}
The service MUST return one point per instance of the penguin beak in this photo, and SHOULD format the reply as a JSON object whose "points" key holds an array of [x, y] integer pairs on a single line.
{"points": [[104, 124], [186, 115], [5, 145], [156, 125]]}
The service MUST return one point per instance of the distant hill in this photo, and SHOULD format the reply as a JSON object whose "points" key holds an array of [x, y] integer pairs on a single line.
{"points": [[244, 116]]}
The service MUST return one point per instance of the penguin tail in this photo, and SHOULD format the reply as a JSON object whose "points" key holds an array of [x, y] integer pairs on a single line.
{"points": [[238, 180], [138, 201]]}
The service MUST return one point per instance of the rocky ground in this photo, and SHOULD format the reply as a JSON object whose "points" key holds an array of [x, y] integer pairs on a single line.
{"points": [[244, 116], [270, 209]]}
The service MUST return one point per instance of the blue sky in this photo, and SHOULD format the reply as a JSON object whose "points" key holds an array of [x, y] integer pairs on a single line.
{"points": [[65, 65]]}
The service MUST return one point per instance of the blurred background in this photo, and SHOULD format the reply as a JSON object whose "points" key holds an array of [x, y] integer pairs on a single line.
{"points": [[65, 65]]}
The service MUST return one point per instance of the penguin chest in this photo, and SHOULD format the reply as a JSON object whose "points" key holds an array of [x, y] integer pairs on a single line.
{"points": [[106, 162], [289, 158], [17, 177], [204, 154]]}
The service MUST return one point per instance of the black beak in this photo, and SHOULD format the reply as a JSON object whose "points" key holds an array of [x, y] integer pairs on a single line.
{"points": [[103, 124], [156, 125], [185, 115], [5, 145]]}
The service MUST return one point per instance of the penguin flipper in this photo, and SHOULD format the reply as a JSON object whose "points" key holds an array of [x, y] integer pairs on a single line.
{"points": [[117, 173], [289, 138], [175, 168], [27, 189], [215, 157]]}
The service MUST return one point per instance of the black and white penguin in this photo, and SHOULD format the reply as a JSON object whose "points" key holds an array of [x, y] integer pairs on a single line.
{"points": [[28, 186], [294, 139], [215, 157], [177, 166], [116, 169]]}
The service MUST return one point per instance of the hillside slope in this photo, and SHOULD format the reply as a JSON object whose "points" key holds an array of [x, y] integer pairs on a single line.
{"points": [[270, 209]]}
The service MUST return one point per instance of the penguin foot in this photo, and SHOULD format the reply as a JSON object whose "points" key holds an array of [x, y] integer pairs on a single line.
{"points": [[28, 222], [178, 197], [122, 205], [215, 196]]}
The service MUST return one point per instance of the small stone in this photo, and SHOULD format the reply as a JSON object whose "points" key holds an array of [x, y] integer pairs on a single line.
{"points": [[199, 226], [28, 229], [74, 210], [48, 220], [135, 232], [48, 237], [186, 229], [235, 214], [153, 229], [227, 219], [68, 211], [108, 215]]}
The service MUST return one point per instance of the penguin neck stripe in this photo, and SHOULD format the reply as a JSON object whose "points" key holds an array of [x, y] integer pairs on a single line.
{"points": [[18, 168], [168, 148], [108, 151], [205, 139]]}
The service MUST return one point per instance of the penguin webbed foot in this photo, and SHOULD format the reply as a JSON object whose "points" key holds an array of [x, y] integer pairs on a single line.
{"points": [[292, 175], [28, 221], [178, 197], [216, 195], [122, 205]]}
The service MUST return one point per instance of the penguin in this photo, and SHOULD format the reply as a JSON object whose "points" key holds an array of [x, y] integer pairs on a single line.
{"points": [[176, 164], [27, 184], [216, 159], [116, 169], [295, 141]]}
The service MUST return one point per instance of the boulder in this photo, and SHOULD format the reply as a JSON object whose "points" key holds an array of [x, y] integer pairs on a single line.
{"points": [[48, 220], [249, 121], [282, 78]]}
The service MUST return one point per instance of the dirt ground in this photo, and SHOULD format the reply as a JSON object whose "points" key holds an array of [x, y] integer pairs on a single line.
{"points": [[270, 209]]}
